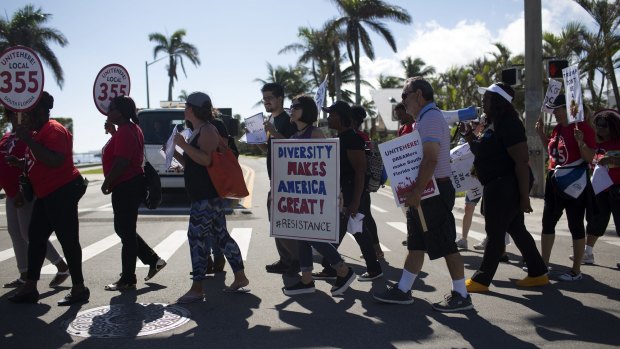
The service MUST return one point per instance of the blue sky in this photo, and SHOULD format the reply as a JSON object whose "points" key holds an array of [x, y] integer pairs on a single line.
{"points": [[236, 39]]}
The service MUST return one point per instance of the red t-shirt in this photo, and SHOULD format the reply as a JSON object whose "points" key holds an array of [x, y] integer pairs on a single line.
{"points": [[404, 129], [10, 145], [566, 150], [45, 180], [128, 143], [604, 147]]}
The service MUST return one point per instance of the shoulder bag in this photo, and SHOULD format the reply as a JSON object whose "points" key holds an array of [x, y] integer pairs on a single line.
{"points": [[226, 174]]}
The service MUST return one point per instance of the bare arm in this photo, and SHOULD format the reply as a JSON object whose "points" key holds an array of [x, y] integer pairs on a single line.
{"points": [[540, 130], [41, 153], [520, 156], [357, 159], [208, 141], [427, 169], [586, 153]]}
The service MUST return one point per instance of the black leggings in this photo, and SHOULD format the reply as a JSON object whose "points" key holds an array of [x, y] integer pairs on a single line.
{"points": [[502, 213], [607, 206], [57, 212], [555, 206], [369, 221], [126, 199]]}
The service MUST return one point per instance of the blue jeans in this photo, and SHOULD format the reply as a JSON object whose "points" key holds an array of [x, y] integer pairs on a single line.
{"points": [[328, 251]]}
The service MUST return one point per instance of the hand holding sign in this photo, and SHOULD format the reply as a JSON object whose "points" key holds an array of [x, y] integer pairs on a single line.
{"points": [[21, 79], [112, 81]]}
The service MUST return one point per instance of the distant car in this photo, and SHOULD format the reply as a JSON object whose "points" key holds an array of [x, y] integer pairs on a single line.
{"points": [[157, 126]]}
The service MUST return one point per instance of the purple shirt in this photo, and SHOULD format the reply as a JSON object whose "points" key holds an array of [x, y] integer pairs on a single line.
{"points": [[434, 128]]}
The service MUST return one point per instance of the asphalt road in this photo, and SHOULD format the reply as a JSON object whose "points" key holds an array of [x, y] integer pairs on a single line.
{"points": [[582, 314]]}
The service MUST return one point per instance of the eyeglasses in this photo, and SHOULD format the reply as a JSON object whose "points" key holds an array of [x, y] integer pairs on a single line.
{"points": [[268, 98], [405, 94], [295, 106]]}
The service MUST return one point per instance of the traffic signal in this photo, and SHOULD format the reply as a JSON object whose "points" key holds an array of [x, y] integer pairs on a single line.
{"points": [[554, 68], [511, 76]]}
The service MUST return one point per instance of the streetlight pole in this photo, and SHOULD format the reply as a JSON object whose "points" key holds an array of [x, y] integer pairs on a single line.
{"points": [[146, 68]]}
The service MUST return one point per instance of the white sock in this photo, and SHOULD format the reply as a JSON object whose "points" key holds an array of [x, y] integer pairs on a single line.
{"points": [[589, 249], [406, 281], [459, 286]]}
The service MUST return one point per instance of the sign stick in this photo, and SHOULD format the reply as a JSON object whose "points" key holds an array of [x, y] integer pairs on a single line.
{"points": [[422, 220], [19, 118]]}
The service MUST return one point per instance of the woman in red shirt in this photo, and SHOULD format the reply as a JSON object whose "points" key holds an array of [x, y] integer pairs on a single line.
{"points": [[58, 186], [122, 159], [570, 148], [19, 210], [607, 154]]}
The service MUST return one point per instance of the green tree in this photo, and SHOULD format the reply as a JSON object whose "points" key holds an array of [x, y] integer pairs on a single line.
{"points": [[606, 15], [416, 67], [356, 14], [176, 49], [390, 81], [294, 79], [183, 96], [27, 27]]}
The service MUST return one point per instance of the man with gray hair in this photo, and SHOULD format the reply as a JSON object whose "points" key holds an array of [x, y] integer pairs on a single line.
{"points": [[437, 238]]}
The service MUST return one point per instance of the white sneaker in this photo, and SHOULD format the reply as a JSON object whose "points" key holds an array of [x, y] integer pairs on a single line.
{"points": [[571, 276], [481, 245], [525, 269], [461, 243], [587, 258]]}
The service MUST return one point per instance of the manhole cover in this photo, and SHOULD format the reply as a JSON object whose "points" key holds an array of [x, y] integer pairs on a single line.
{"points": [[128, 320]]}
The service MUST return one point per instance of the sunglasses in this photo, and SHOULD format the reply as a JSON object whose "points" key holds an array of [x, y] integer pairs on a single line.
{"points": [[295, 106], [405, 94]]}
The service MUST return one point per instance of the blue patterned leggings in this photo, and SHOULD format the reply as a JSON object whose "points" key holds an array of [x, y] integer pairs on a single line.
{"points": [[207, 219]]}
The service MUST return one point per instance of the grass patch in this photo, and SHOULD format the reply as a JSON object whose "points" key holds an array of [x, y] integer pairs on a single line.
{"points": [[92, 171]]}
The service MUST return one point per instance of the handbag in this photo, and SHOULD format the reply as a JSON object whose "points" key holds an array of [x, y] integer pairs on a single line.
{"points": [[153, 197], [226, 174], [25, 187]]}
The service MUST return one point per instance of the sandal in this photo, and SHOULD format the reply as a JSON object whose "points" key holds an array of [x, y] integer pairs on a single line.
{"points": [[59, 278]]}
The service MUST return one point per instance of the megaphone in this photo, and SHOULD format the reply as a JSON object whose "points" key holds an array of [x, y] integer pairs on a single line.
{"points": [[460, 115]]}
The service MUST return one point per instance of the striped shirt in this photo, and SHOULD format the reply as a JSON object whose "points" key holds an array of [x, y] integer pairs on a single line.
{"points": [[434, 128]]}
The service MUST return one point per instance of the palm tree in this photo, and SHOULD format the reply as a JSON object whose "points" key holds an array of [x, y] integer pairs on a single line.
{"points": [[176, 49], [390, 81], [359, 13], [294, 79], [315, 49], [606, 15], [183, 96], [26, 28], [416, 67]]}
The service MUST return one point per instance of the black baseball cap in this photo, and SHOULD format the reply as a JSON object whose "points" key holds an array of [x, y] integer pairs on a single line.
{"points": [[198, 99], [341, 107]]}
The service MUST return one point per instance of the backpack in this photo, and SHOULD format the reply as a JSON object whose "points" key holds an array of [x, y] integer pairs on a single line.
{"points": [[375, 173]]}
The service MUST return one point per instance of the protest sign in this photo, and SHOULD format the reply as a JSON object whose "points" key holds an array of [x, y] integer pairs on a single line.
{"points": [[574, 98], [320, 94], [255, 133], [111, 81], [21, 79], [305, 185], [402, 157], [463, 173], [553, 90]]}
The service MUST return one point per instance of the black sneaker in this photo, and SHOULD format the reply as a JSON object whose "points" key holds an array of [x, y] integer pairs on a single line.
{"points": [[367, 276], [504, 258], [393, 295], [299, 288], [342, 283], [73, 298], [325, 274], [277, 268], [453, 302]]}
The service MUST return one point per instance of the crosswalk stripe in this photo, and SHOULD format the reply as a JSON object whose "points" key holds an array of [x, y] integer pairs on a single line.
{"points": [[168, 246], [89, 251], [242, 236], [400, 226], [10, 253], [383, 247], [378, 209]]}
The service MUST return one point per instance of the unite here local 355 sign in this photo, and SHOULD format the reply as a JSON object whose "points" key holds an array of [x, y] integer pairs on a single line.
{"points": [[111, 82], [21, 78], [305, 183]]}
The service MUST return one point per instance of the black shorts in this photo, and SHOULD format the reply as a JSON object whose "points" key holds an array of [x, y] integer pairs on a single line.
{"points": [[439, 240]]}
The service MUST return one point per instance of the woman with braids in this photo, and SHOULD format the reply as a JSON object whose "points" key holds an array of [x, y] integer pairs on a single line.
{"points": [[206, 217], [58, 186], [122, 159], [502, 166], [607, 155]]}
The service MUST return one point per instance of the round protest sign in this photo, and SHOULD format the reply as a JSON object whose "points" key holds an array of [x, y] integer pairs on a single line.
{"points": [[21, 78], [112, 81]]}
